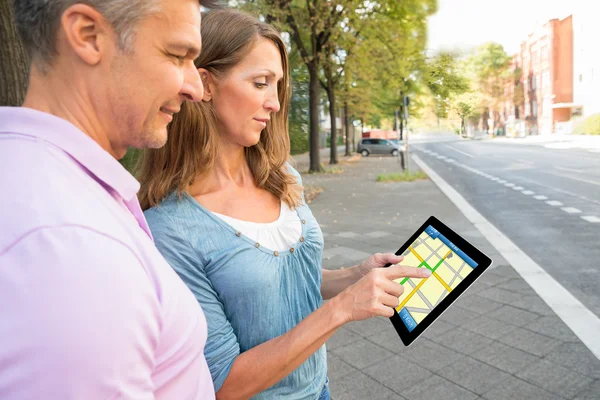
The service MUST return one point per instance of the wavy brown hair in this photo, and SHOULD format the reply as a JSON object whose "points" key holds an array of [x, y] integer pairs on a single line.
{"points": [[190, 153]]}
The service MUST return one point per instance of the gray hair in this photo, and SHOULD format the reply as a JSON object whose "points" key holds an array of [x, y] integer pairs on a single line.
{"points": [[37, 22]]}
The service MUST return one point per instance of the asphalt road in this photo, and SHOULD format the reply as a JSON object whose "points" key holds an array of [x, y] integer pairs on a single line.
{"points": [[547, 201]]}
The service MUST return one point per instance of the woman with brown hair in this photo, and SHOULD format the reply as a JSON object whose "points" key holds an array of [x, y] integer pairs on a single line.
{"points": [[227, 211]]}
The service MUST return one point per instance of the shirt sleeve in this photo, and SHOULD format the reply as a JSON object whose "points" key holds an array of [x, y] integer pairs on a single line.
{"points": [[80, 318], [222, 346]]}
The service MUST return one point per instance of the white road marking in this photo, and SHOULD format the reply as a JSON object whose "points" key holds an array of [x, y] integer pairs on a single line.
{"points": [[562, 191], [459, 151], [501, 181], [540, 197], [571, 210], [578, 171], [575, 179], [554, 203], [584, 323], [528, 192], [509, 184], [593, 219], [518, 188], [525, 161]]}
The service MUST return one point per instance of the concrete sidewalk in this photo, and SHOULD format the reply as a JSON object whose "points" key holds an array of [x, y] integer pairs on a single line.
{"points": [[498, 341]]}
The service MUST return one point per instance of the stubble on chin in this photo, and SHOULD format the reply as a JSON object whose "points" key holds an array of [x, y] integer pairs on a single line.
{"points": [[151, 137], [155, 140]]}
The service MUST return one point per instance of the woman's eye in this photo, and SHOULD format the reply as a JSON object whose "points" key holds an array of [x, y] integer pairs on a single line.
{"points": [[261, 85]]}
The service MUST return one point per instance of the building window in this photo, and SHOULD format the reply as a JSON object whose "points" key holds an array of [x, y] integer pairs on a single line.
{"points": [[533, 82], [527, 109], [534, 110], [546, 80], [545, 53], [580, 78]]}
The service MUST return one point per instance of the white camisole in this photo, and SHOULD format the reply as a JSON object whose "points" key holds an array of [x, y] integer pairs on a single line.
{"points": [[279, 235]]}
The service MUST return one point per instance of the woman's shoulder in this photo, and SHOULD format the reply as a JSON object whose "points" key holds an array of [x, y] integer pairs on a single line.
{"points": [[292, 171], [170, 214]]}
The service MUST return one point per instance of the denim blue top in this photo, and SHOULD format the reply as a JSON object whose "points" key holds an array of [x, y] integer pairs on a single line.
{"points": [[249, 294]]}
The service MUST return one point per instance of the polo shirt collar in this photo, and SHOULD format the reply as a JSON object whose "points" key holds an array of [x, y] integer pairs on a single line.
{"points": [[64, 135]]}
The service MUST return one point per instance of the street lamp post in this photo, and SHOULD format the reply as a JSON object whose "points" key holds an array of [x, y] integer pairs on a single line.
{"points": [[403, 135]]}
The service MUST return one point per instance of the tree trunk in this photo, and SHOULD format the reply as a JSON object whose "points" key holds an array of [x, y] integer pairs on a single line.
{"points": [[13, 60], [313, 107], [347, 128], [484, 121], [333, 158]]}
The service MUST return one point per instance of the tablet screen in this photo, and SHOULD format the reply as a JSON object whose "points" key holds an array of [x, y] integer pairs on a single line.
{"points": [[449, 266]]}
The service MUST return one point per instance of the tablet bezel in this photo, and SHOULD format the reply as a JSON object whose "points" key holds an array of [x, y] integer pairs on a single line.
{"points": [[483, 263]]}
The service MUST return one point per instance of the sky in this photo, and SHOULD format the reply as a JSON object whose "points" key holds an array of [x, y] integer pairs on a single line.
{"points": [[465, 24]]}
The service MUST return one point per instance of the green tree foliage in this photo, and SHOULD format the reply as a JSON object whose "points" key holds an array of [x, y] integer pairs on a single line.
{"points": [[361, 50], [588, 126], [298, 117], [445, 81], [489, 66], [465, 106], [519, 91]]}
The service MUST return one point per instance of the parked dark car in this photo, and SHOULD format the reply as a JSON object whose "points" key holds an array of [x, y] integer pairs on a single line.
{"points": [[368, 146]]}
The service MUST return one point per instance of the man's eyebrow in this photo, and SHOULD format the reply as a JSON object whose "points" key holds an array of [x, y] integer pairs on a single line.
{"points": [[188, 47]]}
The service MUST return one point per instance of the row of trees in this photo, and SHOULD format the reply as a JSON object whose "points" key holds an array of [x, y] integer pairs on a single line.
{"points": [[477, 90], [359, 56], [362, 54], [365, 55]]}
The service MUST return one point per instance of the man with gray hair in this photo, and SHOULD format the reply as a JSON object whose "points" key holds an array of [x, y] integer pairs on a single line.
{"points": [[90, 309]]}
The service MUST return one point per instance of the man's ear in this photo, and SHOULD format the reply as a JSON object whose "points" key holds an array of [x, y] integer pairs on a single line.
{"points": [[208, 82], [87, 32]]}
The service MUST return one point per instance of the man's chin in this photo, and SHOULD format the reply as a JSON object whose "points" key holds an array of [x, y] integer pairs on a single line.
{"points": [[155, 140]]}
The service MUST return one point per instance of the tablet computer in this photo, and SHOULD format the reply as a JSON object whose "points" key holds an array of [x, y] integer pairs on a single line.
{"points": [[455, 265]]}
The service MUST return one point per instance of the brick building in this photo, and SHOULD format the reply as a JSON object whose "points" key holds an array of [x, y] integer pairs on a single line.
{"points": [[545, 61]]}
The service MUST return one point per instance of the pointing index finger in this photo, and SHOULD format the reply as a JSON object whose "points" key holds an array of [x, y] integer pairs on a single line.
{"points": [[400, 271]]}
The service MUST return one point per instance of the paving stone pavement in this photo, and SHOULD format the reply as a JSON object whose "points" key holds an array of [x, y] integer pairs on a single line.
{"points": [[498, 341]]}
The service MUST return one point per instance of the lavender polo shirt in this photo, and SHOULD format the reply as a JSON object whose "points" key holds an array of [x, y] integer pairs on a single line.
{"points": [[89, 309]]}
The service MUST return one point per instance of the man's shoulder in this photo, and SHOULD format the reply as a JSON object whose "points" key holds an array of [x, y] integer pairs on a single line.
{"points": [[46, 187]]}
